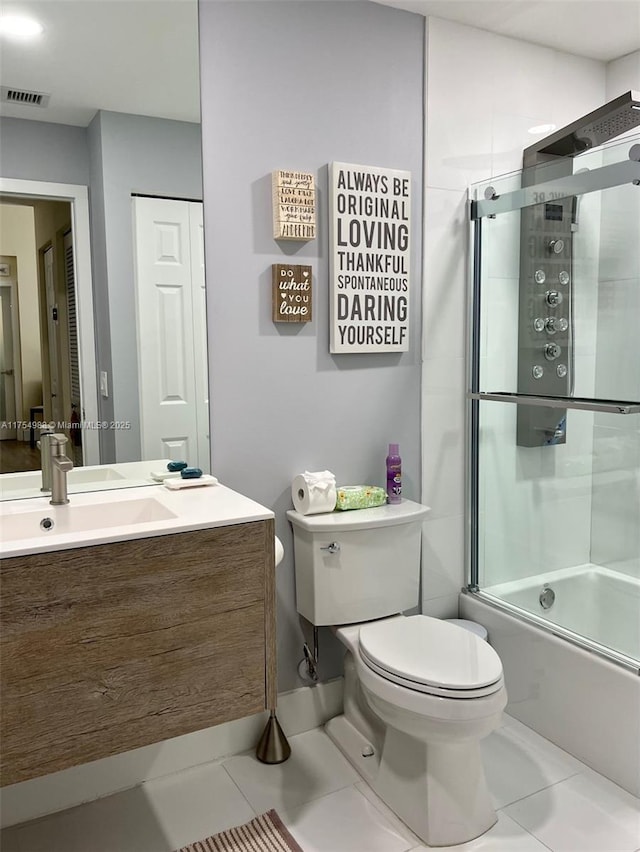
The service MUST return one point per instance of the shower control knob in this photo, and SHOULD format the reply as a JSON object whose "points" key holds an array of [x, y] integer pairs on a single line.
{"points": [[553, 298], [555, 246], [552, 351], [554, 324]]}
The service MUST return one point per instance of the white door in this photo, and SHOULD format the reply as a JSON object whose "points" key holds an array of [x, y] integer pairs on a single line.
{"points": [[171, 354]]}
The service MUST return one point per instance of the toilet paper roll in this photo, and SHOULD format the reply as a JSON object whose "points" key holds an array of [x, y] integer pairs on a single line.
{"points": [[279, 550], [313, 493]]}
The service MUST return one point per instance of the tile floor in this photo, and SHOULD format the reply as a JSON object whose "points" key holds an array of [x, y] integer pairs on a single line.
{"points": [[546, 800]]}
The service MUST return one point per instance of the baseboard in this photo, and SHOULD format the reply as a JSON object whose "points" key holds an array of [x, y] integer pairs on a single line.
{"points": [[299, 710]]}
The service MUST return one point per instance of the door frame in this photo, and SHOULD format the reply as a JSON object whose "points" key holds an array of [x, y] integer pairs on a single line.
{"points": [[12, 285], [77, 195]]}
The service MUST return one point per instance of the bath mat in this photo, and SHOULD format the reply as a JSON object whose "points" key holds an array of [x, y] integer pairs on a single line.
{"points": [[266, 833]]}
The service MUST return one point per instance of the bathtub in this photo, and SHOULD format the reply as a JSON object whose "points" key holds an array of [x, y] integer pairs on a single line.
{"points": [[585, 703], [587, 601]]}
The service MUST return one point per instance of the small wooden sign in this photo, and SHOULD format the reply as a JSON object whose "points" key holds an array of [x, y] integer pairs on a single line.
{"points": [[291, 293], [294, 205]]}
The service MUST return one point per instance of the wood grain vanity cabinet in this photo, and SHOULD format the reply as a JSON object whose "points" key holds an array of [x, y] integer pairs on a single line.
{"points": [[111, 647]]}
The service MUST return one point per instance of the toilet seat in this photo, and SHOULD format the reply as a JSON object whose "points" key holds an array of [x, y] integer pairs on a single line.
{"points": [[429, 655], [428, 689]]}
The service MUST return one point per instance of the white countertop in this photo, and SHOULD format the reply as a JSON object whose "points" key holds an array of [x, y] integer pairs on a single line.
{"points": [[184, 510]]}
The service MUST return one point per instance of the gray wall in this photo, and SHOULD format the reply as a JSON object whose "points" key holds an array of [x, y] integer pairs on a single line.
{"points": [[148, 156], [102, 325], [298, 85], [37, 150]]}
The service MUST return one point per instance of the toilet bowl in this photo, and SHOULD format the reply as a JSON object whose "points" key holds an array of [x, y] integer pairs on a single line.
{"points": [[420, 693], [416, 745]]}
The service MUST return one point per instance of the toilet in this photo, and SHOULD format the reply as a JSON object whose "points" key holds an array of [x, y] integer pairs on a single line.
{"points": [[420, 693]]}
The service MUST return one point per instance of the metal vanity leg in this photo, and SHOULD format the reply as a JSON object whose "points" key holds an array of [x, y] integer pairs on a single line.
{"points": [[273, 746]]}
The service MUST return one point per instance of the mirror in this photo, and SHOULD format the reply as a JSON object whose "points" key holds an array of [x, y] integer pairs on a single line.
{"points": [[102, 315]]}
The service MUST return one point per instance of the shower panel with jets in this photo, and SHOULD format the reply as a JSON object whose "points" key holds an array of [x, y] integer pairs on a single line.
{"points": [[554, 385], [546, 327]]}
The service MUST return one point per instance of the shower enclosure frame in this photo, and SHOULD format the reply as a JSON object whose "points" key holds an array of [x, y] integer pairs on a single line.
{"points": [[605, 177]]}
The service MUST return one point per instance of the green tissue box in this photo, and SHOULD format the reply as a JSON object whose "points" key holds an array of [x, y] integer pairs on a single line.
{"points": [[360, 497]]}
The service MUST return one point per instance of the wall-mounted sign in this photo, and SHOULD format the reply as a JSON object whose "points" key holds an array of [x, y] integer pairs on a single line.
{"points": [[291, 294], [294, 205], [370, 244]]}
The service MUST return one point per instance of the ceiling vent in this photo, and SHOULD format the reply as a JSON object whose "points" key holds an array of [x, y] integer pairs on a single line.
{"points": [[24, 97]]}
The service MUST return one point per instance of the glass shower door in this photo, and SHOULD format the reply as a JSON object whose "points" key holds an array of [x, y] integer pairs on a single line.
{"points": [[554, 474]]}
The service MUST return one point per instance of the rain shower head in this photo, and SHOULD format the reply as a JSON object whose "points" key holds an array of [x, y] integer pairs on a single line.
{"points": [[596, 128]]}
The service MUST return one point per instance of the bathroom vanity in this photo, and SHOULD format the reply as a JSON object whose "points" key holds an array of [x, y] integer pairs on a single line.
{"points": [[138, 616]]}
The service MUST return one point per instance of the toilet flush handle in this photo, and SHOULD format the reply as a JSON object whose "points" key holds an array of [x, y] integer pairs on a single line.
{"points": [[334, 547]]}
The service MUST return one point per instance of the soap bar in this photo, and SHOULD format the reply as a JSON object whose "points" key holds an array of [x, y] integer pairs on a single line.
{"points": [[360, 497], [191, 473], [176, 465]]}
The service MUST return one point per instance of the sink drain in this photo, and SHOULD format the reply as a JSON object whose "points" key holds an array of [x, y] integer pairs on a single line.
{"points": [[47, 524]]}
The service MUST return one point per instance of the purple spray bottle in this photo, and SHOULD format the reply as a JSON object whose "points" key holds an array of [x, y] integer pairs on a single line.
{"points": [[394, 475]]}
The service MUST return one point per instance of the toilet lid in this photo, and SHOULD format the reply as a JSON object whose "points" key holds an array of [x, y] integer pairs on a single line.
{"points": [[429, 651]]}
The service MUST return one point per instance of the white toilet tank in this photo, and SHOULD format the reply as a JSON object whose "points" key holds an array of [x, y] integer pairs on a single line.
{"points": [[357, 565]]}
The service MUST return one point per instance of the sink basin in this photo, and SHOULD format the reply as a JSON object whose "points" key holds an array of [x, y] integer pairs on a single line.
{"points": [[93, 474], [62, 520]]}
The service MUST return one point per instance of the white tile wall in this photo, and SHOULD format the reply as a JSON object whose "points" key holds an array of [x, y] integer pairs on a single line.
{"points": [[483, 92], [623, 74], [443, 435], [458, 107], [446, 228], [443, 555], [446, 607], [480, 89], [616, 497], [615, 532]]}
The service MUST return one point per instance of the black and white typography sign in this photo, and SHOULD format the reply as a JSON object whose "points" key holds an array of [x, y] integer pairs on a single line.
{"points": [[370, 244]]}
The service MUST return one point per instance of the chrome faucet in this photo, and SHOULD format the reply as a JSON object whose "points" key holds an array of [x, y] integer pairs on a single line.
{"points": [[60, 466], [44, 445]]}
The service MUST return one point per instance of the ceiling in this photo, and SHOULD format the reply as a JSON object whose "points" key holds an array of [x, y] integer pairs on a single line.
{"points": [[141, 56], [598, 29], [133, 56]]}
